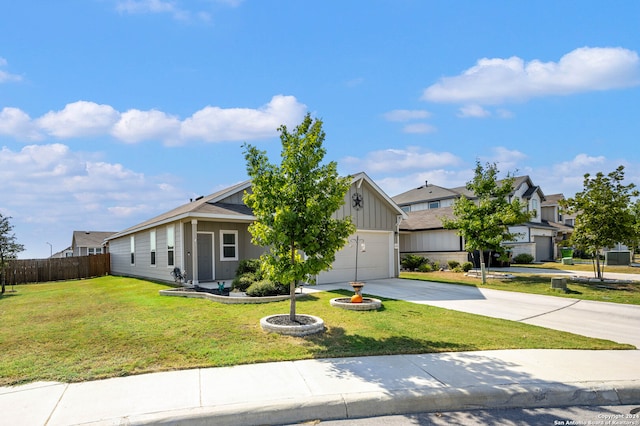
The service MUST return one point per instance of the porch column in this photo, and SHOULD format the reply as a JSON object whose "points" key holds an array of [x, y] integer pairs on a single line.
{"points": [[194, 251]]}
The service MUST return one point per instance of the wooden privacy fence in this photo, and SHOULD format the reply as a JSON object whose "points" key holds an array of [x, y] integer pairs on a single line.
{"points": [[57, 269]]}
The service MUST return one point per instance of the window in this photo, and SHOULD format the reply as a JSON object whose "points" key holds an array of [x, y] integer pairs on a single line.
{"points": [[434, 205], [95, 250], [152, 246], [171, 243], [133, 249], [229, 245], [534, 207]]}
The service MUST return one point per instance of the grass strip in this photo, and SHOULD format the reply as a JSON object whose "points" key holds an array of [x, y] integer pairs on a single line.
{"points": [[533, 283], [113, 326]]}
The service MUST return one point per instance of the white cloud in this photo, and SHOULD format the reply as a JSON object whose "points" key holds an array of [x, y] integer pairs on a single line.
{"points": [[419, 128], [210, 124], [6, 76], [136, 126], [49, 188], [474, 110], [504, 113], [406, 115], [214, 124], [78, 119], [498, 80], [133, 7], [395, 160], [507, 160], [15, 122]]}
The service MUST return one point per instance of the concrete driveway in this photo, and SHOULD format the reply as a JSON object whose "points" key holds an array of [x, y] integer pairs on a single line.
{"points": [[611, 321]]}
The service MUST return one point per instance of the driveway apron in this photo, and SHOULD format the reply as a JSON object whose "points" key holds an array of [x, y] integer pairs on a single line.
{"points": [[611, 321]]}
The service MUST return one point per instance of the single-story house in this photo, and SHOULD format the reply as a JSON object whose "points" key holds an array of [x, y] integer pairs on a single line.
{"points": [[422, 232], [84, 243], [207, 237]]}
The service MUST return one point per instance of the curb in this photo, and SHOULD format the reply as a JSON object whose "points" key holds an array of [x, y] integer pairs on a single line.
{"points": [[372, 404]]}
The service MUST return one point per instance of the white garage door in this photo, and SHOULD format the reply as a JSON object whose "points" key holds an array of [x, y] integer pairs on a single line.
{"points": [[374, 263]]}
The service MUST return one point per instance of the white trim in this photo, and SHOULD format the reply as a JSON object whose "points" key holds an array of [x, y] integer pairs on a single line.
{"points": [[153, 248], [223, 245]]}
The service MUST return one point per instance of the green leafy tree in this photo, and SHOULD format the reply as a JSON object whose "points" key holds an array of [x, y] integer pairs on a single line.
{"points": [[294, 203], [484, 222], [9, 248], [605, 215]]}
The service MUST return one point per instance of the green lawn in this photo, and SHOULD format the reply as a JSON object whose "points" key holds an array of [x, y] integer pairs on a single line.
{"points": [[113, 326], [541, 284]]}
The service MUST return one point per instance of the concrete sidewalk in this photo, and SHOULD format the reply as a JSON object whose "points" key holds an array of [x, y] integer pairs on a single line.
{"points": [[291, 392]]}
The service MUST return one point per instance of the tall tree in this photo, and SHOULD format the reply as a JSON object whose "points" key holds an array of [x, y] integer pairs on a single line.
{"points": [[484, 222], [9, 248], [605, 215], [294, 203]]}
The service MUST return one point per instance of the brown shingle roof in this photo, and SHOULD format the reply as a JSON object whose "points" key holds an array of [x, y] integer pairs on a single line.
{"points": [[90, 238], [426, 219]]}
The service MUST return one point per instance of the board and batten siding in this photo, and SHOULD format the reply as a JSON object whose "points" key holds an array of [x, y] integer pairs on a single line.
{"points": [[375, 213]]}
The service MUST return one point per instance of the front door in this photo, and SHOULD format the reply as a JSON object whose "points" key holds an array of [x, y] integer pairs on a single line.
{"points": [[205, 257]]}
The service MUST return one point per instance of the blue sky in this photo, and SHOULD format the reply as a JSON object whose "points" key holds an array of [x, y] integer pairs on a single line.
{"points": [[113, 111]]}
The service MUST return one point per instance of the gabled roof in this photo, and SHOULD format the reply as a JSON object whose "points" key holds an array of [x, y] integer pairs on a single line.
{"points": [[363, 176], [552, 200], [210, 206], [430, 192], [425, 193], [426, 219], [89, 238], [217, 206]]}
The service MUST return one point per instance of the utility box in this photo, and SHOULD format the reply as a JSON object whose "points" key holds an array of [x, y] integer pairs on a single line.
{"points": [[559, 284], [622, 257]]}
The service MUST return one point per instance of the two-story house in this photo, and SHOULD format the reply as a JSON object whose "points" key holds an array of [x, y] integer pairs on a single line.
{"points": [[422, 232]]}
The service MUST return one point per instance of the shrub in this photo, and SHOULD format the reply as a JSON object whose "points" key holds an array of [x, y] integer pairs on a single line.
{"points": [[248, 265], [266, 288], [523, 258], [413, 261], [435, 265], [242, 282], [425, 267], [467, 266], [453, 264]]}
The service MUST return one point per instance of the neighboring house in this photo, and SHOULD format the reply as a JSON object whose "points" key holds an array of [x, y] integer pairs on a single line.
{"points": [[207, 237], [422, 232], [552, 214], [68, 252], [85, 243]]}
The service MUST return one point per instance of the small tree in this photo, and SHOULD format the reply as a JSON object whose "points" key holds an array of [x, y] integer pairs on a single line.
{"points": [[294, 204], [484, 223], [9, 248], [605, 215]]}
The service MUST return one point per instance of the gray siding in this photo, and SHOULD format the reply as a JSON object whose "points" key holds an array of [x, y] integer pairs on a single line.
{"points": [[430, 241], [121, 254], [235, 198], [224, 270], [376, 213]]}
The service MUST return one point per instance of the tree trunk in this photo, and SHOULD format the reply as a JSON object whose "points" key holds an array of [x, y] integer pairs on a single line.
{"points": [[292, 287], [598, 268], [483, 271]]}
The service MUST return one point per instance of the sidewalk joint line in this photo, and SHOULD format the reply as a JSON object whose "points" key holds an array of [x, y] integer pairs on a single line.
{"points": [[55, 407]]}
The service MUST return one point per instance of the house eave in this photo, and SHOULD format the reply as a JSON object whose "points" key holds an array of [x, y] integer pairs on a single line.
{"points": [[184, 217]]}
